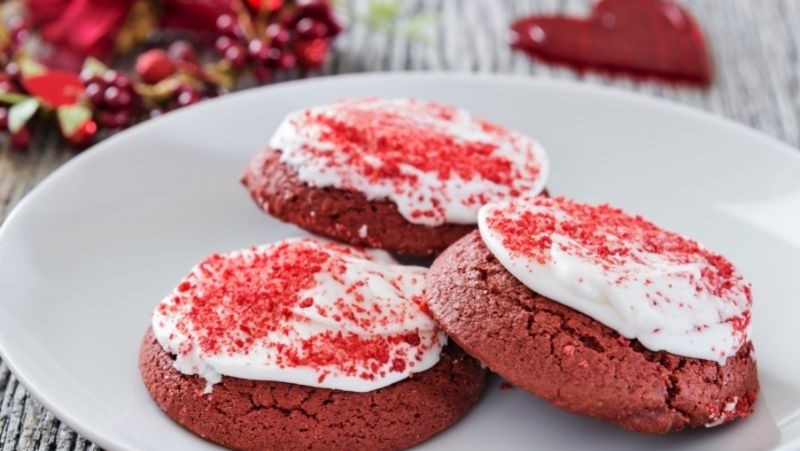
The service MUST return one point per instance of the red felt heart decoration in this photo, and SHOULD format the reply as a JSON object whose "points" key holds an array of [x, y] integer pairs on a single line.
{"points": [[642, 37]]}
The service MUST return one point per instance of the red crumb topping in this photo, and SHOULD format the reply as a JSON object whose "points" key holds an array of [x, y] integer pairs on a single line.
{"points": [[608, 237], [731, 409], [378, 140], [614, 240], [230, 303]]}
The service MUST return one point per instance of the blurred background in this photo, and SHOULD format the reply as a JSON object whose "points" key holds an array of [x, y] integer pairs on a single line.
{"points": [[77, 71]]}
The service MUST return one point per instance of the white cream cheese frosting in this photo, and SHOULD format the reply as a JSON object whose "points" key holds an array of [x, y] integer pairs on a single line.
{"points": [[302, 311], [649, 284], [437, 163]]}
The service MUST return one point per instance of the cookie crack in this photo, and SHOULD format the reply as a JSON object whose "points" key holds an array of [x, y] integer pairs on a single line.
{"points": [[671, 398], [257, 407]]}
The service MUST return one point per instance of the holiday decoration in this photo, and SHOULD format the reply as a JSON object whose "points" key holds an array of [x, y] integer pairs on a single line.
{"points": [[266, 36], [610, 39], [99, 28], [70, 83]]}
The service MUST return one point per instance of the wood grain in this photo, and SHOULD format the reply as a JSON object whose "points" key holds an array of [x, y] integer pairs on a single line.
{"points": [[755, 47]]}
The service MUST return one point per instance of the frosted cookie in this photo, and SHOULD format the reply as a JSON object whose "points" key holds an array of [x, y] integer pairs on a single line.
{"points": [[404, 175], [600, 313], [304, 344]]}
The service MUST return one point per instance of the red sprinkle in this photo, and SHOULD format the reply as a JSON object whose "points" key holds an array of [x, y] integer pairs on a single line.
{"points": [[610, 238], [231, 302], [378, 140], [398, 365], [614, 240]]}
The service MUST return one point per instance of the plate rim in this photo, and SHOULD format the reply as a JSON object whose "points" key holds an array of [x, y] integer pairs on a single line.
{"points": [[636, 98]]}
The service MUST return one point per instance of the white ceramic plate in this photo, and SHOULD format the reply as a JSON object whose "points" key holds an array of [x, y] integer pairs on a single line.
{"points": [[86, 256]]}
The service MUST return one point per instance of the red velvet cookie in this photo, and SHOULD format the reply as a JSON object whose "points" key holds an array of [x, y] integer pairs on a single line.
{"points": [[402, 175], [262, 415], [305, 344], [571, 359], [345, 215]]}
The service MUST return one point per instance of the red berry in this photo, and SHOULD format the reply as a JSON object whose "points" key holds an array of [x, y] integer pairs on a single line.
{"points": [[83, 136], [88, 76], [120, 81], [182, 51], [111, 76], [154, 66], [258, 50], [21, 139], [277, 35], [117, 98], [274, 56], [19, 36], [3, 118], [13, 71], [113, 119], [304, 28], [18, 30], [319, 11], [7, 86], [123, 82], [311, 54], [226, 23], [188, 97], [319, 30], [287, 61], [94, 92], [236, 55], [223, 43], [238, 32]]}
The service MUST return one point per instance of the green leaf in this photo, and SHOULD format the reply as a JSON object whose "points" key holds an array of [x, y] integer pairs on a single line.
{"points": [[12, 97], [382, 15], [30, 67], [419, 27], [388, 16], [94, 66], [20, 113], [71, 117]]}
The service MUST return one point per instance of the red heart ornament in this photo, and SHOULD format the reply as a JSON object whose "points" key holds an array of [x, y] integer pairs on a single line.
{"points": [[651, 38]]}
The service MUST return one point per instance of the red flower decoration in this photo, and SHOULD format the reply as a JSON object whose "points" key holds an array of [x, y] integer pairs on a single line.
{"points": [[194, 15], [78, 28], [81, 28]]}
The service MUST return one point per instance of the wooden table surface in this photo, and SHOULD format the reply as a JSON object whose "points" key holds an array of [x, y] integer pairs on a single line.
{"points": [[755, 46]]}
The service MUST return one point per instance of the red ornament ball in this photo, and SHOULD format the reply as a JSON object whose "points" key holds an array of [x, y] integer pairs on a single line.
{"points": [[154, 66]]}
